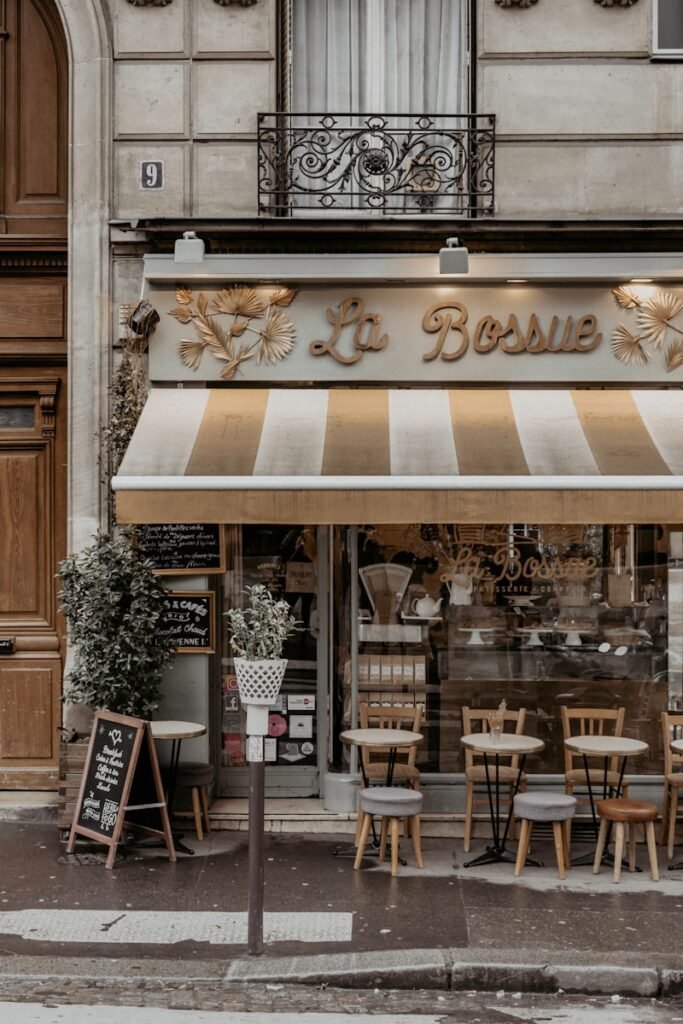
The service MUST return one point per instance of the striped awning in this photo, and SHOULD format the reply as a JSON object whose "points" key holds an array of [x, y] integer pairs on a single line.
{"points": [[404, 455]]}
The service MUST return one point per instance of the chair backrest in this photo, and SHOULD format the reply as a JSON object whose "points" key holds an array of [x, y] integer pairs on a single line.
{"points": [[672, 728], [477, 720], [590, 722], [392, 716]]}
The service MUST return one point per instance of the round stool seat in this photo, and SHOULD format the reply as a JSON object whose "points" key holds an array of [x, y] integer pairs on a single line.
{"points": [[390, 801], [545, 806], [626, 810], [194, 773]]}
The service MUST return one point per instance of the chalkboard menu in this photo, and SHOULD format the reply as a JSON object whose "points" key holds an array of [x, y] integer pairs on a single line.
{"points": [[183, 548], [189, 621], [112, 763]]}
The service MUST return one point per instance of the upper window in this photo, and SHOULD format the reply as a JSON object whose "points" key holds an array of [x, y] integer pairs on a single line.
{"points": [[378, 56], [668, 27]]}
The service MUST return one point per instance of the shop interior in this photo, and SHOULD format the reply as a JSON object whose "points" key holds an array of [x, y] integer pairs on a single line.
{"points": [[447, 616]]}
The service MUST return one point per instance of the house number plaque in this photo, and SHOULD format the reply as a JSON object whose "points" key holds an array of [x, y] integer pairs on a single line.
{"points": [[151, 174]]}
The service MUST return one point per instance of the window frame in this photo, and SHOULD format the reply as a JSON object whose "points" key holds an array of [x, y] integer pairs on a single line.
{"points": [[661, 52]]}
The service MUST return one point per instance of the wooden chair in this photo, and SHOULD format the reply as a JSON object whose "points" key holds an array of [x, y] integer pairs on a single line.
{"points": [[476, 720], [591, 722], [375, 761], [672, 728]]}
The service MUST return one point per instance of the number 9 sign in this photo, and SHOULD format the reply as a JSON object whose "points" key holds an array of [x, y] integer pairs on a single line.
{"points": [[151, 174]]}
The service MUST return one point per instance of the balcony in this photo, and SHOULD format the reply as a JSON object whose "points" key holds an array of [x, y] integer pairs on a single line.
{"points": [[376, 164]]}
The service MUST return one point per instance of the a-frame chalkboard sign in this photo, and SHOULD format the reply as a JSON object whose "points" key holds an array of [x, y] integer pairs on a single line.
{"points": [[121, 786]]}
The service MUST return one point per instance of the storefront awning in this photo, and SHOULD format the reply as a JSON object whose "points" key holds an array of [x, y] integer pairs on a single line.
{"points": [[404, 455]]}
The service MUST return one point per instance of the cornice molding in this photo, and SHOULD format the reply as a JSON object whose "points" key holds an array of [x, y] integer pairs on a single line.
{"points": [[229, 3], [616, 3], [150, 3], [516, 3]]}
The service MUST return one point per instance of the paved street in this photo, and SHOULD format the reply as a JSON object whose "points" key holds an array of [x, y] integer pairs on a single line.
{"points": [[366, 1008]]}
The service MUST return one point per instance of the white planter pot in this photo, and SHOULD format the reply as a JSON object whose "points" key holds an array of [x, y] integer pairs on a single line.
{"points": [[259, 682]]}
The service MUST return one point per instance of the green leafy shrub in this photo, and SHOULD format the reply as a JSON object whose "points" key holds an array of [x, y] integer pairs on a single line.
{"points": [[260, 629], [114, 604]]}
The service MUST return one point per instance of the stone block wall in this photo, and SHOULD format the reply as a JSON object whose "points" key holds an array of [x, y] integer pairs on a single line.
{"points": [[188, 81], [588, 123]]}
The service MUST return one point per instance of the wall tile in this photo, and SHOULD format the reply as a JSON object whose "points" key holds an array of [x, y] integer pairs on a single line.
{"points": [[133, 201], [226, 96], [150, 30], [567, 26], [234, 30], [225, 180], [151, 99], [534, 98]]}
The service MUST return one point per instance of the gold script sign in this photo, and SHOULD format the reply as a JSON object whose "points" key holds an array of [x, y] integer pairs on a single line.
{"points": [[448, 320], [580, 335]]}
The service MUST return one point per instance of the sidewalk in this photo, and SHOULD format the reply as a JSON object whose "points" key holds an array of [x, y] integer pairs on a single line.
{"points": [[443, 927]]}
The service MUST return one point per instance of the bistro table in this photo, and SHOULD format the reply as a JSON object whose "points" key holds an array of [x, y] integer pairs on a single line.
{"points": [[176, 732], [505, 745], [378, 739], [677, 747], [605, 747]]}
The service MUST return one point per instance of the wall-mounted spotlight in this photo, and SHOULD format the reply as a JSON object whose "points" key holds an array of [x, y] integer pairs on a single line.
{"points": [[454, 259], [189, 248]]}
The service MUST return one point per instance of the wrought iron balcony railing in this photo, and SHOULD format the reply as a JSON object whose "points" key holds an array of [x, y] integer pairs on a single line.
{"points": [[377, 163]]}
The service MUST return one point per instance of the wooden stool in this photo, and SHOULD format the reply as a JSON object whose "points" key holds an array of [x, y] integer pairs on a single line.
{"points": [[558, 808], [391, 804], [197, 777], [626, 813]]}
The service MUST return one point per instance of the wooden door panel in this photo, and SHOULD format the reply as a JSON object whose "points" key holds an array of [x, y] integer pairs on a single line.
{"points": [[30, 309], [25, 523], [27, 726], [33, 66]]}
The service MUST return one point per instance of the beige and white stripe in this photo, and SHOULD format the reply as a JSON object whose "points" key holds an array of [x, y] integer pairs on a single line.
{"points": [[406, 433]]}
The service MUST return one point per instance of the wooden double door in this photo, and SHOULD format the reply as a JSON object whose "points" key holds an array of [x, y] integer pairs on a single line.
{"points": [[33, 427], [33, 391]]}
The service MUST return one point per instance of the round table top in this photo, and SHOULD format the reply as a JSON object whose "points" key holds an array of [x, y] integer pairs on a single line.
{"points": [[381, 737], [606, 746], [677, 746], [507, 743], [173, 730]]}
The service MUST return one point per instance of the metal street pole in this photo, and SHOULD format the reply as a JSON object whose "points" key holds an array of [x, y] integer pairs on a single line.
{"points": [[256, 853]]}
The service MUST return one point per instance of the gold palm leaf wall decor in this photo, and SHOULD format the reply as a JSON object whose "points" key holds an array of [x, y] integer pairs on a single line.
{"points": [[263, 330], [654, 320]]}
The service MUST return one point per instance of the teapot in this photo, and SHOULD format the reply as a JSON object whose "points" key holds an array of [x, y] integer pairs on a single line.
{"points": [[426, 607]]}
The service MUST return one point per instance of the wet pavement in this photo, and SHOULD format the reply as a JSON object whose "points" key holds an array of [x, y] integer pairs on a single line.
{"points": [[319, 903]]}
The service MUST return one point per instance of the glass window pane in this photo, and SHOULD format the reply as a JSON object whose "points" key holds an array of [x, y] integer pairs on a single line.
{"points": [[538, 616], [16, 417], [670, 25]]}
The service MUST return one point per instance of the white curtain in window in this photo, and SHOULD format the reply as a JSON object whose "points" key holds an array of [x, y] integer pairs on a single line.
{"points": [[377, 56]]}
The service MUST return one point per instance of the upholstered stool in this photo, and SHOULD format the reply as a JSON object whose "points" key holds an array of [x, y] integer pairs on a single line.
{"points": [[557, 808], [197, 776], [391, 803], [626, 814]]}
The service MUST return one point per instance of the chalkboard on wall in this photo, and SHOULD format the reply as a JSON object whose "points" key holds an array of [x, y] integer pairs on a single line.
{"points": [[189, 621], [184, 548], [112, 761]]}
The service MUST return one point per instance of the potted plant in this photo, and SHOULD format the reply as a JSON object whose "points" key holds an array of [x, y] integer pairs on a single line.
{"points": [[258, 634], [114, 605]]}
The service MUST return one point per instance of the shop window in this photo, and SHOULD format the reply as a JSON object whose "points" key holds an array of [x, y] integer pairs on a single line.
{"points": [[668, 28], [538, 616], [284, 559]]}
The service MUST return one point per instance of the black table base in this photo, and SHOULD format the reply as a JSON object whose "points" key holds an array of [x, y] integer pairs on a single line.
{"points": [[497, 851], [608, 792]]}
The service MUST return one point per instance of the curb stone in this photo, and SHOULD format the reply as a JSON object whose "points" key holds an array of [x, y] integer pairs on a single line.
{"points": [[415, 968]]}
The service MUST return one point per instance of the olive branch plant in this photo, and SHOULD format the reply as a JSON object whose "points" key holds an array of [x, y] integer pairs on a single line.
{"points": [[258, 329], [654, 318]]}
